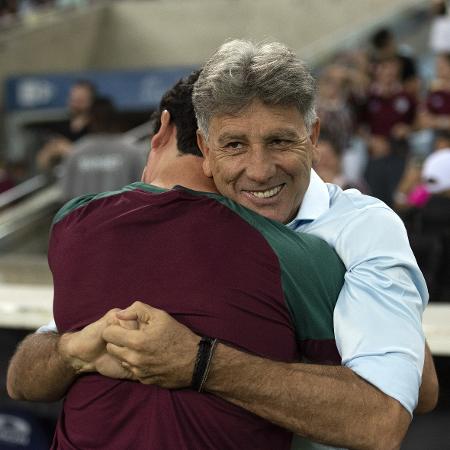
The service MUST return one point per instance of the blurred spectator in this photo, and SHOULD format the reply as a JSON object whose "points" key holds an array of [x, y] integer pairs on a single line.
{"points": [[329, 167], [411, 191], [389, 110], [440, 27], [430, 228], [384, 46], [435, 113], [332, 104], [81, 96], [384, 169], [102, 161], [436, 175], [442, 140], [8, 12]]}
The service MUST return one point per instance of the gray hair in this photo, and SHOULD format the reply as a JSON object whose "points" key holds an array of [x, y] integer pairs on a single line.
{"points": [[241, 71]]}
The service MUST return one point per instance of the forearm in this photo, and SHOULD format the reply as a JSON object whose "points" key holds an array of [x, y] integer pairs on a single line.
{"points": [[37, 371], [326, 404]]}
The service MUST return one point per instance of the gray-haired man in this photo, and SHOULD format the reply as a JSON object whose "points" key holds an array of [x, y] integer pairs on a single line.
{"points": [[258, 133]]}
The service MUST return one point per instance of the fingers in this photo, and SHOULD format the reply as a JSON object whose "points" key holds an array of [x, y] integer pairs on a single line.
{"points": [[122, 337], [110, 318], [131, 364], [129, 324], [137, 311], [121, 353]]}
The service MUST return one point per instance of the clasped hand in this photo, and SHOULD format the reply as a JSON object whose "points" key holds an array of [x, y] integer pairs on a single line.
{"points": [[150, 346]]}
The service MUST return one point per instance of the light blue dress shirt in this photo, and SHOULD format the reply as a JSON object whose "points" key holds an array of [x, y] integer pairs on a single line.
{"points": [[378, 315]]}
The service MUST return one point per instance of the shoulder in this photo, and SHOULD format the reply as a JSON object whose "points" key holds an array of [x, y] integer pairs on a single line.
{"points": [[351, 203], [79, 203], [364, 227]]}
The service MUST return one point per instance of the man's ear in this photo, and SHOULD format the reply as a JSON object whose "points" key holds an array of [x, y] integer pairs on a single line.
{"points": [[204, 148], [163, 135], [314, 137]]}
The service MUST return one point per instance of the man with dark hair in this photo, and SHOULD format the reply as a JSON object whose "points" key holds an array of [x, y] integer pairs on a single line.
{"points": [[177, 102], [384, 46]]}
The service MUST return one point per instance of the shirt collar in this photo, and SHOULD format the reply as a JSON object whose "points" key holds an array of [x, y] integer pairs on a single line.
{"points": [[315, 202]]}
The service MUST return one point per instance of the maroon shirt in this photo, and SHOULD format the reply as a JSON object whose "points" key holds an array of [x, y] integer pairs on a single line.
{"points": [[207, 267], [438, 102], [382, 113]]}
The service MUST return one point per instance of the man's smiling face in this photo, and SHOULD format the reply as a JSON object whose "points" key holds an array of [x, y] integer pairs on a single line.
{"points": [[261, 158]]}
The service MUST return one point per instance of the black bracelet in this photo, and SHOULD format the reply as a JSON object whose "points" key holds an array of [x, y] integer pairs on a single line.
{"points": [[205, 353]]}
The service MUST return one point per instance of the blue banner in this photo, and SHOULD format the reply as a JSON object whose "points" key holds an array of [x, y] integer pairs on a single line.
{"points": [[129, 89]]}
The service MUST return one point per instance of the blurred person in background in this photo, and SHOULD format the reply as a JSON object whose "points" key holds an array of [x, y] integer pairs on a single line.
{"points": [[332, 104], [439, 39], [81, 98], [429, 225], [436, 177], [384, 169], [8, 12], [389, 110], [103, 160], [389, 116], [384, 46], [435, 113], [330, 163], [412, 191]]}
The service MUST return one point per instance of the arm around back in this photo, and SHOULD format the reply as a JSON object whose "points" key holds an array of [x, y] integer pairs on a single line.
{"points": [[38, 371], [46, 364], [327, 404]]}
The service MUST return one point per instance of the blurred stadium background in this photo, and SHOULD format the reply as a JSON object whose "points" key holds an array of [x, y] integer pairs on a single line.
{"points": [[133, 50]]}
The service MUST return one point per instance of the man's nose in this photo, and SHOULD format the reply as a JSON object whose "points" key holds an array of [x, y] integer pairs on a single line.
{"points": [[260, 166]]}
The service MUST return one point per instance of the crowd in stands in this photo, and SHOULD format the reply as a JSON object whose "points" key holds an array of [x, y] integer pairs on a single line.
{"points": [[386, 132]]}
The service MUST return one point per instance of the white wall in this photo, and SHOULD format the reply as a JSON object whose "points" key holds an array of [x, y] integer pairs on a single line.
{"points": [[162, 33]]}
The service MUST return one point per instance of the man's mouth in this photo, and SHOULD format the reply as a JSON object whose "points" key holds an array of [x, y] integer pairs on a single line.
{"points": [[268, 193]]}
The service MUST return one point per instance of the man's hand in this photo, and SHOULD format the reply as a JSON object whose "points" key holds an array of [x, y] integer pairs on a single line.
{"points": [[161, 351], [46, 364], [85, 350]]}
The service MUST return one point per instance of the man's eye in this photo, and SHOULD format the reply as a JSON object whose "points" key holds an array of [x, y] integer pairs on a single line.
{"points": [[234, 145]]}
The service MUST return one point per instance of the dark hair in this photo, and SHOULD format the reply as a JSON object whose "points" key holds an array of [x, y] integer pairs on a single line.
{"points": [[103, 116], [446, 56], [326, 135], [381, 38], [178, 101], [442, 134]]}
